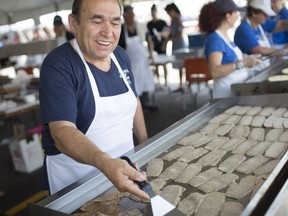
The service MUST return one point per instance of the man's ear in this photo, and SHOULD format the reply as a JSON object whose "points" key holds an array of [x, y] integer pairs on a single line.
{"points": [[72, 22]]}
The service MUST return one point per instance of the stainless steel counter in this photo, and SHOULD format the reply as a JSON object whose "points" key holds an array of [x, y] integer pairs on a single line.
{"points": [[74, 196], [259, 83]]}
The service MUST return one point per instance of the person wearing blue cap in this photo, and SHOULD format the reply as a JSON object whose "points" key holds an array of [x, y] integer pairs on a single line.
{"points": [[226, 62]]}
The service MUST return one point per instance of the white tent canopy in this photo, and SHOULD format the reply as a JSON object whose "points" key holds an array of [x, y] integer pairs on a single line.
{"points": [[14, 10]]}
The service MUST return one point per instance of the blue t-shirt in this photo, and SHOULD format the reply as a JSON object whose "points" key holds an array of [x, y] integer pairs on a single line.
{"points": [[281, 37], [65, 92], [246, 38], [214, 43]]}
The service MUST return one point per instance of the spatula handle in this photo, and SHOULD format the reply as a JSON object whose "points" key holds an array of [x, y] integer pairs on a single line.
{"points": [[144, 185]]}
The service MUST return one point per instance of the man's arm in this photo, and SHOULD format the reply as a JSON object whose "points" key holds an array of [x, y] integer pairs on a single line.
{"points": [[70, 141], [139, 126]]}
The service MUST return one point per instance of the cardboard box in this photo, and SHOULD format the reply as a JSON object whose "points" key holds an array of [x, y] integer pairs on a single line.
{"points": [[26, 154]]}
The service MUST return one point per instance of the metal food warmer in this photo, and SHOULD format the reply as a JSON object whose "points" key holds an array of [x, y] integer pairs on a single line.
{"points": [[274, 188], [260, 84]]}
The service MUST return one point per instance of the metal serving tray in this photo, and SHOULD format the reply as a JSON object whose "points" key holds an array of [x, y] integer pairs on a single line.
{"points": [[259, 83], [280, 205], [74, 196]]}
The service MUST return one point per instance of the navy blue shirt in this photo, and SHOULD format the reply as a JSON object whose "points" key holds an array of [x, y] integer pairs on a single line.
{"points": [[65, 92]]}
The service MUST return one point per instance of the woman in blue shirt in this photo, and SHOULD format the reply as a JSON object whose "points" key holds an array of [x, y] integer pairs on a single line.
{"points": [[251, 35], [226, 62], [279, 39]]}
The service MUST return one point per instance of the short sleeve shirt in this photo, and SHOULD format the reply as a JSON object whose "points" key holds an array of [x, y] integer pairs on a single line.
{"points": [[281, 37], [65, 92], [246, 38], [214, 43]]}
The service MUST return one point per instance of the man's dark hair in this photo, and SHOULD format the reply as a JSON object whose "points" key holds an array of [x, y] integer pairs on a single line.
{"points": [[76, 8]]}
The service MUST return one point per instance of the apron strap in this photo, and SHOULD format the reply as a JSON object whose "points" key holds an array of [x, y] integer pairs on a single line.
{"points": [[114, 59], [238, 53]]}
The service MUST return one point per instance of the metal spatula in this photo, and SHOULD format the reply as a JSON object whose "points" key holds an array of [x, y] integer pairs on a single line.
{"points": [[159, 205]]}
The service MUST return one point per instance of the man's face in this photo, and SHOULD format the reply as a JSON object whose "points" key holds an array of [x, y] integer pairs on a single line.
{"points": [[98, 28]]}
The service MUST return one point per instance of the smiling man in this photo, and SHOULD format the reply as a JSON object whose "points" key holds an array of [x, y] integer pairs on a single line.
{"points": [[88, 102]]}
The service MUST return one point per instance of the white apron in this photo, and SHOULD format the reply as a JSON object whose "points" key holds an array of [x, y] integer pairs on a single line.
{"points": [[222, 85], [137, 52], [110, 130], [264, 42]]}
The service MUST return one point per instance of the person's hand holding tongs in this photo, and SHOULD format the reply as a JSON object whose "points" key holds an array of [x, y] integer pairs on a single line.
{"points": [[275, 54], [250, 61]]}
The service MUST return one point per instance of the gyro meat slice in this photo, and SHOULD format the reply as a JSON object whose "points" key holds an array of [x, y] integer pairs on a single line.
{"points": [[192, 155], [223, 129], [219, 182], [216, 143], [258, 121], [246, 185], [232, 143], [209, 128], [276, 149], [189, 172], [267, 168], [284, 137], [154, 167], [172, 171], [233, 119], [257, 134], [251, 164], [273, 135], [197, 139], [219, 118], [210, 204], [279, 122], [268, 123], [259, 148], [232, 110], [177, 153], [279, 112], [231, 209], [157, 185], [230, 164], [239, 131], [246, 120], [211, 158], [202, 177], [254, 110], [108, 196], [188, 204], [90, 206], [267, 111], [243, 110], [172, 193], [285, 123], [244, 147]]}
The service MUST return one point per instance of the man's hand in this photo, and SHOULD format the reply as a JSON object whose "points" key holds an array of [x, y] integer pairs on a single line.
{"points": [[122, 175]]}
